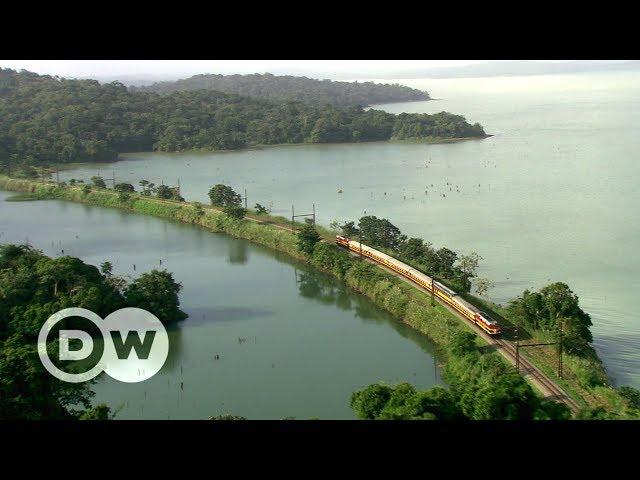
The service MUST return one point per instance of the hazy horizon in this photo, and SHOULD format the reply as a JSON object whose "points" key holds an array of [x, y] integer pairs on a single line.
{"points": [[141, 72]]}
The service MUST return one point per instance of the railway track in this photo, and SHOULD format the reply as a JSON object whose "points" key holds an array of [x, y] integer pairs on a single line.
{"points": [[507, 349], [547, 387]]}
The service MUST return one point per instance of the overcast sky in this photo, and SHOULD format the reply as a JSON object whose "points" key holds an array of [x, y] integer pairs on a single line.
{"points": [[153, 70], [90, 68]]}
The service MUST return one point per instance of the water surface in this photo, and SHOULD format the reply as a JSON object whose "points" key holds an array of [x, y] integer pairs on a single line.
{"points": [[553, 196], [293, 342]]}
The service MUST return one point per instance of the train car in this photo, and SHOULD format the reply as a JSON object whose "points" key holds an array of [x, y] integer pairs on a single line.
{"points": [[447, 295], [487, 323]]}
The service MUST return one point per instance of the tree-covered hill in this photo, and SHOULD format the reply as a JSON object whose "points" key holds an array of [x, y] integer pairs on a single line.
{"points": [[47, 120], [290, 88]]}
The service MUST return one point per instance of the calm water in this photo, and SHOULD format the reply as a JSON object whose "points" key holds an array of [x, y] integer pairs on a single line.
{"points": [[551, 197], [308, 342]]}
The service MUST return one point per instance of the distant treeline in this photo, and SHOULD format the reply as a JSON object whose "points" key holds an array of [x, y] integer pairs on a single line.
{"points": [[47, 120], [290, 88]]}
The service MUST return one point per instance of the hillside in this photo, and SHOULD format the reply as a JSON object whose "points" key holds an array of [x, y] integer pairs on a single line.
{"points": [[290, 88], [47, 120]]}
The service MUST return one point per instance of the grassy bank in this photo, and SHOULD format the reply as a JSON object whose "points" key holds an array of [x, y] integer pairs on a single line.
{"points": [[404, 302]]}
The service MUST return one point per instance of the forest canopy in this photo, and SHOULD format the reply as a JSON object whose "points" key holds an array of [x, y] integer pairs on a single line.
{"points": [[290, 88], [46, 120]]}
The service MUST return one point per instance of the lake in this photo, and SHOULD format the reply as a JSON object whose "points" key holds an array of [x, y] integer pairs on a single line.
{"points": [[293, 342], [552, 196]]}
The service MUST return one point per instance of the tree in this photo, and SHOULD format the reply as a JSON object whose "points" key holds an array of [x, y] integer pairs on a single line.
{"points": [[555, 303], [157, 292], [164, 192], [124, 187], [224, 196], [148, 188], [369, 402], [33, 287], [631, 394], [106, 268], [261, 210], [308, 237], [227, 417], [99, 412], [403, 402], [483, 285], [44, 119], [469, 263], [349, 230], [380, 232], [235, 211], [198, 209], [98, 182]]}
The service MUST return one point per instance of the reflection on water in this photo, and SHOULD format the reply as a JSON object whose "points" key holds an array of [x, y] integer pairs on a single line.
{"points": [[266, 337], [553, 196]]}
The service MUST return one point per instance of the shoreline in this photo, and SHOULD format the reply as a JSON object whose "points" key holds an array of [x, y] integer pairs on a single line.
{"points": [[425, 141], [404, 303]]}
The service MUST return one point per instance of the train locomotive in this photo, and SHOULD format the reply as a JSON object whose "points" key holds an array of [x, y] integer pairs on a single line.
{"points": [[451, 298]]}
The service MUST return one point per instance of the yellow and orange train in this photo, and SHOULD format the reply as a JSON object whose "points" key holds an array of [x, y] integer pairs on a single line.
{"points": [[447, 295]]}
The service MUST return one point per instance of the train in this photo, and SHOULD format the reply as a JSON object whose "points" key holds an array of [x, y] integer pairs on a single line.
{"points": [[448, 296]]}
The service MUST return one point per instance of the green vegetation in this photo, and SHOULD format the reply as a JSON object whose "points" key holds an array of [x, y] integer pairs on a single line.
{"points": [[224, 196], [483, 387], [555, 308], [260, 210], [98, 182], [456, 271], [235, 211], [288, 88], [157, 292], [168, 193], [227, 417], [46, 120], [401, 300], [308, 237], [32, 288]]}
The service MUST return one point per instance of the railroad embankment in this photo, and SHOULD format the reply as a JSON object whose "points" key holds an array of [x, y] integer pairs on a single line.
{"points": [[404, 302]]}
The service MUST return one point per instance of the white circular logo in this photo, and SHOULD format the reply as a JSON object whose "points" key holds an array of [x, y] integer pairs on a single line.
{"points": [[136, 345]]}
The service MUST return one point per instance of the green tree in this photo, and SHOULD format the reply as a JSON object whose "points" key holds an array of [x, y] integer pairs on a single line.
{"points": [[483, 285], [224, 196], [99, 412], [380, 232], [261, 210], [198, 209], [369, 402], [235, 211], [308, 236], [552, 305], [157, 292], [164, 192], [632, 395], [349, 230], [124, 187], [106, 268], [98, 182]]}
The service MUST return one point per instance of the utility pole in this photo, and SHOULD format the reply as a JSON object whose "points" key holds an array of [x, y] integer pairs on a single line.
{"points": [[517, 351], [245, 199], [57, 176], [433, 298], [560, 351], [294, 216]]}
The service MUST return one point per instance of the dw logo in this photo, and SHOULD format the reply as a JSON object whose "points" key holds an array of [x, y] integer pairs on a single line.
{"points": [[136, 345]]}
